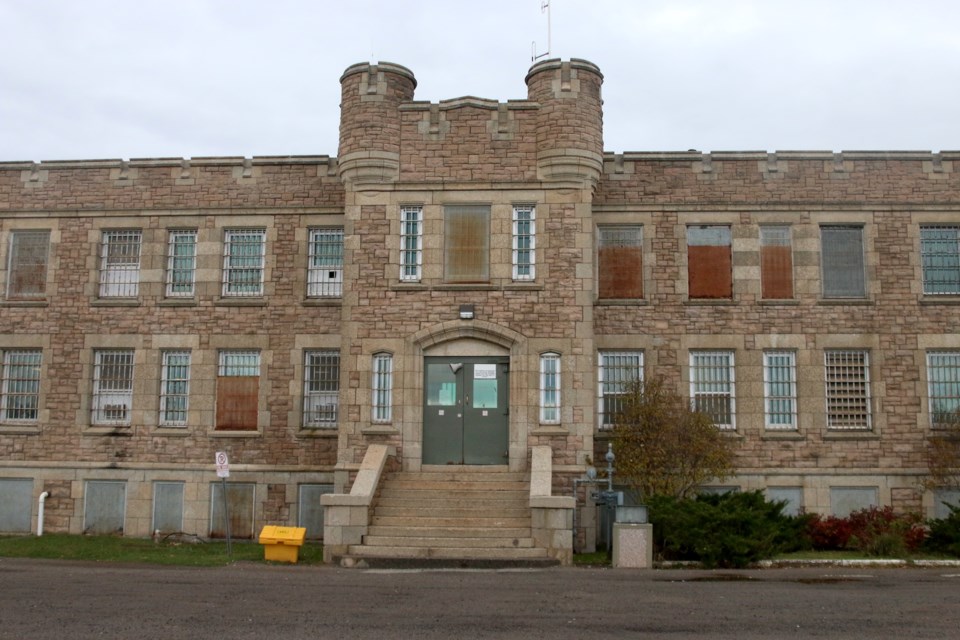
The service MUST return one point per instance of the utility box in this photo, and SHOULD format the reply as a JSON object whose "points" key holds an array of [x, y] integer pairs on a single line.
{"points": [[282, 544]]}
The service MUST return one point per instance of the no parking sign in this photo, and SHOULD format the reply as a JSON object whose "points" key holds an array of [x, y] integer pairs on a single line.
{"points": [[223, 465]]}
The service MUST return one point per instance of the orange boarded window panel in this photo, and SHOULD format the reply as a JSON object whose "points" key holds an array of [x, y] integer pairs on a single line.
{"points": [[620, 262], [709, 262], [467, 243], [238, 388], [776, 263]]}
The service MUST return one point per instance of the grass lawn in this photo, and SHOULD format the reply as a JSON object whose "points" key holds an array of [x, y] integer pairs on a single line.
{"points": [[120, 549]]}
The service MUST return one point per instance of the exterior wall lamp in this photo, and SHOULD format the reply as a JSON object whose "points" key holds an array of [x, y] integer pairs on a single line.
{"points": [[466, 312]]}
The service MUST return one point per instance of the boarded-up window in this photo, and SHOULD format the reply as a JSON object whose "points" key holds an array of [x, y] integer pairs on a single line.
{"points": [[709, 262], [841, 257], [16, 502], [311, 511], [27, 267], [104, 504], [167, 507], [620, 262], [239, 504], [776, 263], [238, 390], [466, 243]]}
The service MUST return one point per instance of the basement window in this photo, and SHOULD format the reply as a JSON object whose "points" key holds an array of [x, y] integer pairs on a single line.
{"points": [[709, 263]]}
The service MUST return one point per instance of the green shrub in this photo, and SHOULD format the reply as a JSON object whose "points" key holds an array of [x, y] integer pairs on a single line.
{"points": [[724, 530], [944, 535]]}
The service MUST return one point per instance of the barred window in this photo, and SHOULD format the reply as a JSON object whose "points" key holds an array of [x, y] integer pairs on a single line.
{"points": [[181, 263], [466, 243], [940, 255], [712, 386], [27, 265], [616, 370], [709, 262], [382, 387], [20, 397], [943, 384], [112, 401], [411, 243], [325, 259], [321, 388], [243, 262], [848, 389], [776, 263], [524, 242], [238, 391], [175, 388], [620, 262], [842, 262], [550, 388], [780, 389], [120, 264]]}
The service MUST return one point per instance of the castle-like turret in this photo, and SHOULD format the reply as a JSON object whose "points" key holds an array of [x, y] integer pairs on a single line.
{"points": [[570, 120], [370, 120]]}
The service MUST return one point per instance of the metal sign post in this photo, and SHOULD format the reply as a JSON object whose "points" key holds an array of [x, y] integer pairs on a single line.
{"points": [[223, 472]]}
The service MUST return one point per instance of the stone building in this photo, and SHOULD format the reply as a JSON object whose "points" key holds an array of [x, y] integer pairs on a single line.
{"points": [[462, 292]]}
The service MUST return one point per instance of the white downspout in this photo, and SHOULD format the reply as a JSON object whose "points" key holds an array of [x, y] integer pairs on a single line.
{"points": [[43, 498]]}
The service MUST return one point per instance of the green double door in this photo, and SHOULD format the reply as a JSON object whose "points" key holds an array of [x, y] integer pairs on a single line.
{"points": [[466, 410]]}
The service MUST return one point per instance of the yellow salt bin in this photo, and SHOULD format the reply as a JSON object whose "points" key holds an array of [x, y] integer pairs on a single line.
{"points": [[282, 544]]}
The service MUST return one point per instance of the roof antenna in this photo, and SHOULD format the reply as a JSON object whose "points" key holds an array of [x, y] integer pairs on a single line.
{"points": [[544, 8]]}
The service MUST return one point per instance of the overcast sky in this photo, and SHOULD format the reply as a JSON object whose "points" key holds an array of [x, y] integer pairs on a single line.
{"points": [[85, 79]]}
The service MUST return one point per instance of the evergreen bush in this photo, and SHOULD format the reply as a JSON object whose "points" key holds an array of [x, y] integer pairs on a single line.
{"points": [[944, 535]]}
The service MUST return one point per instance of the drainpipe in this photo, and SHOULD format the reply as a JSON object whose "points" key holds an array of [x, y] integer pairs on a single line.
{"points": [[43, 498]]}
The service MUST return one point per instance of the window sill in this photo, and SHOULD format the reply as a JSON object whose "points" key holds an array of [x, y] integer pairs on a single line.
{"points": [[784, 435], [125, 431], [25, 303], [409, 286], [732, 434], [523, 286], [118, 302], [621, 302], [853, 302], [852, 434], [177, 302], [466, 286], [331, 301], [786, 302], [318, 432], [171, 431], [710, 302], [19, 430], [549, 430], [240, 302], [944, 299], [380, 430]]}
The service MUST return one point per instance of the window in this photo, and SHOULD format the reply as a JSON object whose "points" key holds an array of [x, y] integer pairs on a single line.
{"points": [[175, 388], [321, 388], [112, 387], [466, 243], [842, 262], [780, 389], [411, 243], [20, 399], [181, 263], [620, 262], [776, 263], [325, 271], [940, 254], [243, 254], [617, 369], [943, 383], [238, 390], [712, 386], [848, 389], [550, 388], [524, 242], [382, 387], [27, 265], [120, 264], [709, 262]]}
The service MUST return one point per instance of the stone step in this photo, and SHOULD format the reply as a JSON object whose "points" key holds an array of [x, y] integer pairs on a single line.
{"points": [[448, 532], [491, 522], [455, 485], [434, 511], [457, 476], [445, 542], [443, 501], [452, 553]]}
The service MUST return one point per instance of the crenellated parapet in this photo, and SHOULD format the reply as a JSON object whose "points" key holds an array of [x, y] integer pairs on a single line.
{"points": [[570, 120], [371, 95]]}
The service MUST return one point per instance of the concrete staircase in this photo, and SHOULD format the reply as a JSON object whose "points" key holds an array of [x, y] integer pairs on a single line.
{"points": [[451, 516]]}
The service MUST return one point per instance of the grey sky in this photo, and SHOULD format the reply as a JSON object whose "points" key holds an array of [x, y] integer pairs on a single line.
{"points": [[84, 79]]}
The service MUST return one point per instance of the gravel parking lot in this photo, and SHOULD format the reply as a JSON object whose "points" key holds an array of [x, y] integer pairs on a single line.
{"points": [[52, 599]]}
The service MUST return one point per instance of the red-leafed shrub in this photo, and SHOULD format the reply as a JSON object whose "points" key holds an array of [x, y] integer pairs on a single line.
{"points": [[876, 531]]}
